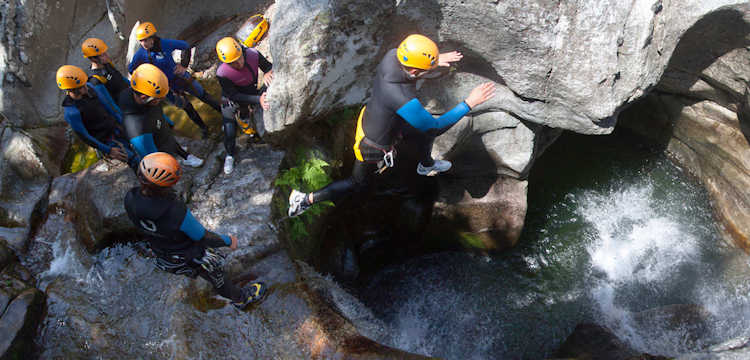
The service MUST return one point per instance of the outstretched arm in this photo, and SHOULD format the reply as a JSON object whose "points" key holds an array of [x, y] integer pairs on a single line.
{"points": [[195, 231], [73, 117], [415, 114]]}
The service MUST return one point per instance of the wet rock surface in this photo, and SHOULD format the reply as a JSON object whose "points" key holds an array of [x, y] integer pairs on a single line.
{"points": [[116, 303], [21, 307]]}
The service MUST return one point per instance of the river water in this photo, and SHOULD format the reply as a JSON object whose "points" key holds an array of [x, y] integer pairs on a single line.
{"points": [[615, 234]]}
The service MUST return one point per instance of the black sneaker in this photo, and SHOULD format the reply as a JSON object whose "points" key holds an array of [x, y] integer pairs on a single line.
{"points": [[251, 294]]}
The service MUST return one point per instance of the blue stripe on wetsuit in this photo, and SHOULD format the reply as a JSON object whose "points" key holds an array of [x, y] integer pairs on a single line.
{"points": [[73, 117], [144, 144], [416, 115], [195, 231]]}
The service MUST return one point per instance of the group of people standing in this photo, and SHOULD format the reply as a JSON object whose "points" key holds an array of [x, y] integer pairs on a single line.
{"points": [[123, 119]]}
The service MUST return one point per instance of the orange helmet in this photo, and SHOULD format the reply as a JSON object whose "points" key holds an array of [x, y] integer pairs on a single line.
{"points": [[149, 80], [418, 51], [93, 47], [145, 30], [228, 50], [70, 77], [160, 169]]}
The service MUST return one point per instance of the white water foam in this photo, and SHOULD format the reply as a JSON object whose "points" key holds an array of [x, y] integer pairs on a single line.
{"points": [[636, 243]]}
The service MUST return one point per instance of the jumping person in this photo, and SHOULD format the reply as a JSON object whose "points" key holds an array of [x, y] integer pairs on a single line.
{"points": [[145, 123], [157, 51], [392, 109], [102, 70], [238, 77], [181, 244], [93, 115]]}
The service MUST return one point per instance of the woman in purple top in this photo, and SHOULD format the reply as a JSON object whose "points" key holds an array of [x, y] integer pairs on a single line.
{"points": [[157, 51], [238, 77]]}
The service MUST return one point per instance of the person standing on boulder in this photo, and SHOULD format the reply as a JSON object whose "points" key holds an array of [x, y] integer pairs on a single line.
{"points": [[145, 123], [102, 70], [181, 244], [157, 51], [93, 115], [238, 77], [393, 109]]}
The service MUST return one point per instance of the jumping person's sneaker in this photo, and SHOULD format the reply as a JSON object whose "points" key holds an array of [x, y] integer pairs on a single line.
{"points": [[436, 168], [228, 164], [297, 203], [193, 161], [250, 294]]}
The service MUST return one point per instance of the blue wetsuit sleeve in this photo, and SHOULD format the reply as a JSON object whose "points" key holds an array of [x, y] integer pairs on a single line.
{"points": [[144, 144], [415, 114], [136, 60], [191, 227], [195, 231], [73, 117]]}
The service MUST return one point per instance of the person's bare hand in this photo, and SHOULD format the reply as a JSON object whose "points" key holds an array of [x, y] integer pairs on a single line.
{"points": [[264, 103], [179, 69], [118, 153], [480, 94], [268, 78], [446, 59], [234, 243]]}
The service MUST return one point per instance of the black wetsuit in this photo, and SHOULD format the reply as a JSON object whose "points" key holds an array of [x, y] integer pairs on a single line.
{"points": [[97, 121], [179, 240], [111, 78], [392, 111], [146, 127], [160, 55], [240, 87]]}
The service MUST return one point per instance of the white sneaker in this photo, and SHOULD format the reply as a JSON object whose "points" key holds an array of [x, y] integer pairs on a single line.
{"points": [[436, 168], [193, 161], [228, 164], [297, 203]]}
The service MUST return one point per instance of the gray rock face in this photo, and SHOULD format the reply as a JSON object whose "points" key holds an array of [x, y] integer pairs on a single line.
{"points": [[21, 306], [139, 311], [700, 112], [26, 167]]}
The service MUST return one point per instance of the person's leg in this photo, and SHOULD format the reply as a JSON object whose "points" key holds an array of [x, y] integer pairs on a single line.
{"points": [[362, 177], [230, 135], [196, 118], [222, 284], [197, 90]]}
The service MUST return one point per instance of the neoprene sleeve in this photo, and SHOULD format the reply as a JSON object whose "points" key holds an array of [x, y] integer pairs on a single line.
{"points": [[416, 115], [195, 231]]}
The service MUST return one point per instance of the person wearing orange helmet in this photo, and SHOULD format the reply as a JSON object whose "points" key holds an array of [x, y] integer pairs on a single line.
{"points": [[392, 112], [93, 115], [146, 125], [240, 95], [158, 51], [102, 71], [181, 244]]}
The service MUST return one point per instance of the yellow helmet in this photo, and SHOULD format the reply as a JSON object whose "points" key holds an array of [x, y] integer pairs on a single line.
{"points": [[418, 51], [145, 30], [228, 50], [259, 29], [70, 77], [149, 80], [160, 169], [93, 47]]}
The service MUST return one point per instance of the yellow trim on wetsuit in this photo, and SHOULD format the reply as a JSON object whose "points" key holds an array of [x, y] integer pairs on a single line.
{"points": [[101, 79], [359, 135]]}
